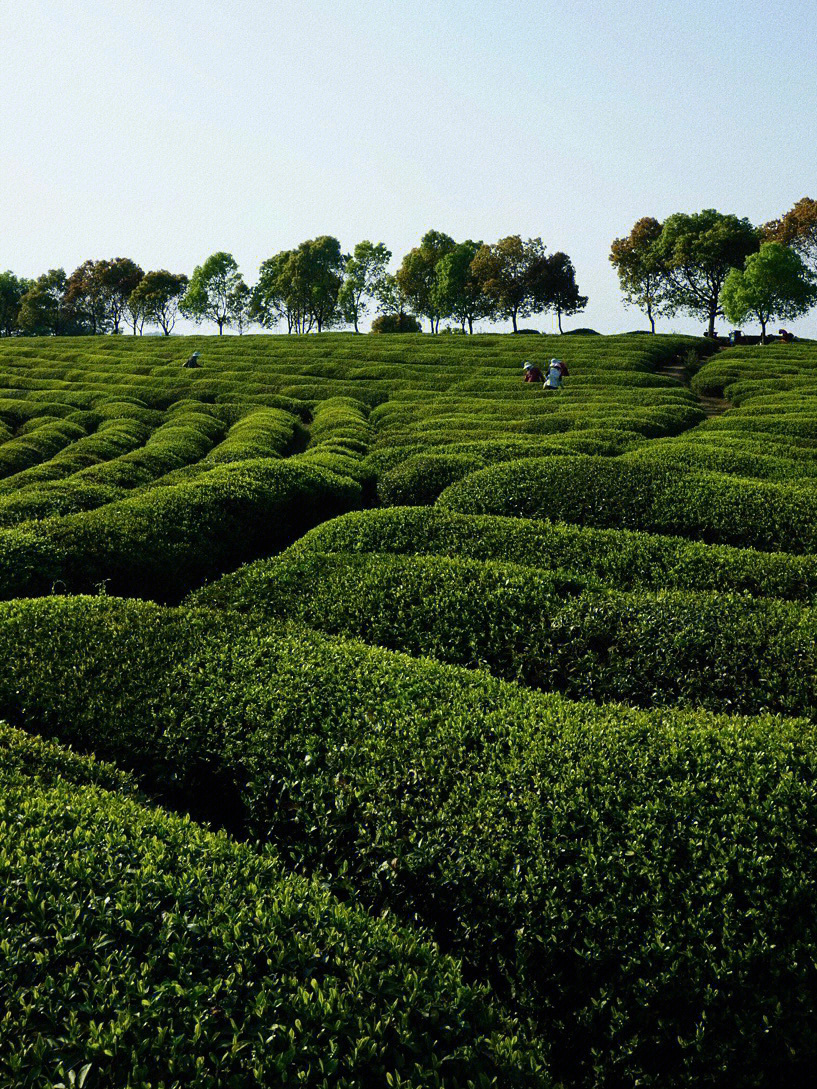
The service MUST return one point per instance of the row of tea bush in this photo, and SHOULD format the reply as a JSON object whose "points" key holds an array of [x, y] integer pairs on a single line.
{"points": [[639, 884], [140, 949]]}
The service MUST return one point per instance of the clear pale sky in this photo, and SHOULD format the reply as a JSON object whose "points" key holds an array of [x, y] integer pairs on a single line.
{"points": [[166, 132]]}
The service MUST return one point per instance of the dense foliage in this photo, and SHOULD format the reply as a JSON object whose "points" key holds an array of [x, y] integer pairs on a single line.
{"points": [[139, 949], [631, 877], [640, 884]]}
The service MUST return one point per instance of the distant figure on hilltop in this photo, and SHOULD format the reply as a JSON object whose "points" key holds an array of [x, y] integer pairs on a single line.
{"points": [[785, 335], [193, 361]]}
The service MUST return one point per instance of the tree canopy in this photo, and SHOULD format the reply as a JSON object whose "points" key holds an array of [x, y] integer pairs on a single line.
{"points": [[12, 290], [156, 299], [302, 286], [457, 289], [363, 279], [416, 276], [559, 290], [208, 293], [42, 308], [520, 279], [798, 229], [118, 278], [697, 252], [774, 283], [640, 271]]}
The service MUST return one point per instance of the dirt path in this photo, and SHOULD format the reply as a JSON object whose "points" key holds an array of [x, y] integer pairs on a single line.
{"points": [[712, 406]]}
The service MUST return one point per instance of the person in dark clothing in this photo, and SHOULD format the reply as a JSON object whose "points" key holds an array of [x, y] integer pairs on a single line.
{"points": [[193, 361]]}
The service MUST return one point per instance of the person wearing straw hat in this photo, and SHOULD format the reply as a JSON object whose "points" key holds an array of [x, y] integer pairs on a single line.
{"points": [[531, 373]]}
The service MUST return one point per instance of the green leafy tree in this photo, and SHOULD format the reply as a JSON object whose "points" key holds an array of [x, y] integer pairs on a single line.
{"points": [[640, 271], [798, 229], [318, 269], [391, 299], [118, 277], [156, 299], [516, 277], [271, 298], [697, 253], [458, 290], [775, 283], [557, 287], [12, 290], [87, 297], [362, 279], [42, 308], [416, 276], [239, 307], [301, 285], [208, 294]]}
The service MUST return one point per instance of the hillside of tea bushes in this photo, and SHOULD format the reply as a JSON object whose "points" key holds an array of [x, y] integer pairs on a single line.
{"points": [[377, 719]]}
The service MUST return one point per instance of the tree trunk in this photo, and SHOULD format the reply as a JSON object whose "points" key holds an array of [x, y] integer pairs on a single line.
{"points": [[763, 331], [356, 328], [471, 325], [559, 318], [220, 325], [712, 313], [513, 318], [652, 319]]}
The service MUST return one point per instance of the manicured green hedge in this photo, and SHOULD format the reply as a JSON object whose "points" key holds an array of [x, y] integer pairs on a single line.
{"points": [[640, 883], [546, 629], [618, 558], [112, 439], [53, 498], [164, 541], [139, 949], [746, 460], [622, 494], [37, 445], [421, 479]]}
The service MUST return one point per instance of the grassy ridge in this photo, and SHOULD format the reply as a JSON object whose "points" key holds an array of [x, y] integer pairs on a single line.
{"points": [[638, 883]]}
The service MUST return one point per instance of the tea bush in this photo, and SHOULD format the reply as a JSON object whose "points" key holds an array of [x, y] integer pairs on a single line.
{"points": [[422, 478], [624, 494], [164, 541], [623, 559], [140, 949], [638, 883], [548, 629]]}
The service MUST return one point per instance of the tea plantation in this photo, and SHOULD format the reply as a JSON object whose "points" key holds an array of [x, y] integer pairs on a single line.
{"points": [[376, 719]]}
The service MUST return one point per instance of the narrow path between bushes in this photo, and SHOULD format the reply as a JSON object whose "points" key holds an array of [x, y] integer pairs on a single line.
{"points": [[712, 406]]}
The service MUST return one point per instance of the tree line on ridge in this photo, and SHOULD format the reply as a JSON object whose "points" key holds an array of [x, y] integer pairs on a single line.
{"points": [[705, 264]]}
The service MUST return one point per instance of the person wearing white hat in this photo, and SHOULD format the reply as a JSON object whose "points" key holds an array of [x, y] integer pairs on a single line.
{"points": [[554, 376], [531, 373]]}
